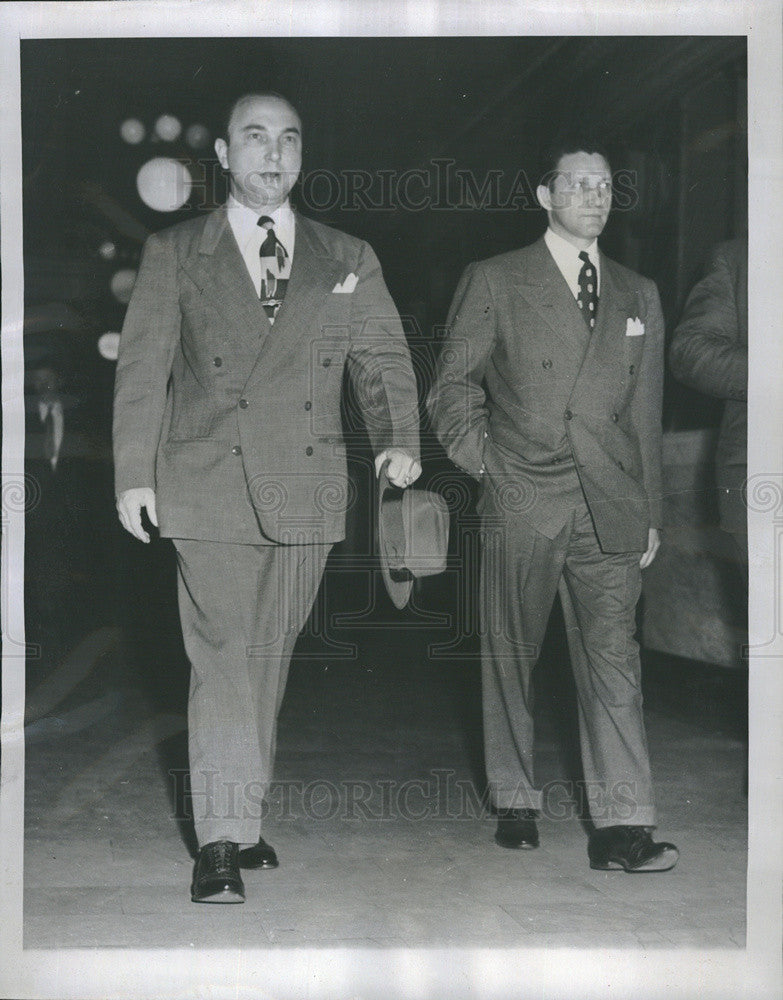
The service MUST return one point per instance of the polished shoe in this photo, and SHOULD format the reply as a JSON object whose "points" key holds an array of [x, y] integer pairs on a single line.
{"points": [[630, 848], [260, 855], [517, 829], [216, 877]]}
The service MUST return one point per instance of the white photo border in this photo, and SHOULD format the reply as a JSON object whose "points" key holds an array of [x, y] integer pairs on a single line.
{"points": [[753, 972]]}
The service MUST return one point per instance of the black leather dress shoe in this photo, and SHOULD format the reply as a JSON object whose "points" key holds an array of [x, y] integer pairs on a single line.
{"points": [[517, 829], [260, 855], [630, 848], [216, 877]]}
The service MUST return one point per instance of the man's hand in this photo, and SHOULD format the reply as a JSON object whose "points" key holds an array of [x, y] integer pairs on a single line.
{"points": [[403, 470], [653, 544], [129, 504]]}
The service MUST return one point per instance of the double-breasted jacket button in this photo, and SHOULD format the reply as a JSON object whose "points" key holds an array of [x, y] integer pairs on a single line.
{"points": [[615, 418], [308, 405], [217, 362], [568, 414], [546, 363], [243, 404], [308, 450], [236, 450], [622, 467], [326, 362], [632, 369]]}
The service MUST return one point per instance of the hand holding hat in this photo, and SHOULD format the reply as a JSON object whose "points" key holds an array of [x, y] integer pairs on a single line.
{"points": [[402, 470], [412, 534]]}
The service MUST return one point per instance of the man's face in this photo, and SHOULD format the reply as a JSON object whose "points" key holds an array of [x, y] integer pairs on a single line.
{"points": [[579, 198], [263, 152]]}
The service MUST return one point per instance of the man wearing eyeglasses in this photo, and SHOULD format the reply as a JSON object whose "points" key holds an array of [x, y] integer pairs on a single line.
{"points": [[549, 392]]}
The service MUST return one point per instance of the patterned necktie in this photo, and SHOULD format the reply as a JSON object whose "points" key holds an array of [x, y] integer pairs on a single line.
{"points": [[273, 256], [587, 299]]}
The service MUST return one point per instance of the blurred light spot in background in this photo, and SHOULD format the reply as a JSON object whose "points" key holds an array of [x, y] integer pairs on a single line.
{"points": [[109, 345], [122, 283], [197, 136], [164, 184], [168, 128], [107, 250], [132, 131]]}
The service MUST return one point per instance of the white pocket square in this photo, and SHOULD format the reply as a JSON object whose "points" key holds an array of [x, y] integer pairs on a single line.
{"points": [[634, 328], [347, 286]]}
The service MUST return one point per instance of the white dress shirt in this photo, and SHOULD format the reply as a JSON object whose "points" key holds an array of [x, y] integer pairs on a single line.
{"points": [[249, 236], [566, 256]]}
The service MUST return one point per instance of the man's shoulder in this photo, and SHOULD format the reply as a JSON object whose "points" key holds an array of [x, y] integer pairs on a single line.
{"points": [[334, 241], [733, 252], [510, 260], [625, 277], [185, 232]]}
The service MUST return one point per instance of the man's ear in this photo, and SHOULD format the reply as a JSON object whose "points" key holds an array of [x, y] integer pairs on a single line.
{"points": [[544, 196], [221, 149]]}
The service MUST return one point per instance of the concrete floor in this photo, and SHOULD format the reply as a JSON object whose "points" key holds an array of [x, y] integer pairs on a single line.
{"points": [[412, 862]]}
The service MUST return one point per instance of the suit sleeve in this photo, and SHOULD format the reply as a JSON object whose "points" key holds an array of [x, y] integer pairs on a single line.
{"points": [[147, 343], [379, 363], [706, 351], [457, 401], [647, 401]]}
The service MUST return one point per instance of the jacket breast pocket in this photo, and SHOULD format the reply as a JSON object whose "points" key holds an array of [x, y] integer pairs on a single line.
{"points": [[634, 350], [334, 316]]}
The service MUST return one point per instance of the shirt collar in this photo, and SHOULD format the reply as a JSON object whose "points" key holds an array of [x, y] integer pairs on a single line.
{"points": [[246, 219], [562, 250]]}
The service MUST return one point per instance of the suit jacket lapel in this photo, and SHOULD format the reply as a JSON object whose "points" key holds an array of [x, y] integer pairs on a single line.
{"points": [[545, 288], [615, 305], [221, 274], [314, 273]]}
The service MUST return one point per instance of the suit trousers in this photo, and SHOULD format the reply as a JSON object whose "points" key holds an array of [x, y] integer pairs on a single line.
{"points": [[521, 570], [242, 608]]}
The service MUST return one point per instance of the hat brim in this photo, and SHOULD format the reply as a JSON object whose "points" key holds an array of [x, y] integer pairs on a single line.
{"points": [[399, 590]]}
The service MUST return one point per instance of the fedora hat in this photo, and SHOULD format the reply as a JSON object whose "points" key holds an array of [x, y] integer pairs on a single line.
{"points": [[412, 536]]}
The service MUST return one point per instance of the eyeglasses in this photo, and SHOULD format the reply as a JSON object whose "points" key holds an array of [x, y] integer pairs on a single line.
{"points": [[581, 185]]}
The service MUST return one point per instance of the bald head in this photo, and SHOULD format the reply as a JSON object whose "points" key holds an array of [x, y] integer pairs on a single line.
{"points": [[261, 95]]}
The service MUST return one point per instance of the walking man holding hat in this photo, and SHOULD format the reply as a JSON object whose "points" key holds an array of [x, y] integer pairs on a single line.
{"points": [[227, 431]]}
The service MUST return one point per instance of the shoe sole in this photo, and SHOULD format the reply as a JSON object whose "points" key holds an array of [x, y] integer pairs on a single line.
{"points": [[663, 863], [226, 896]]}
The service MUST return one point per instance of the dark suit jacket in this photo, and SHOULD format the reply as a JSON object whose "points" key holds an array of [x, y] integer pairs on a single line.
{"points": [[524, 390], [236, 423], [709, 351]]}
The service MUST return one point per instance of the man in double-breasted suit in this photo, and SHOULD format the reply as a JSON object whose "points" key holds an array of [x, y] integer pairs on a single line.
{"points": [[227, 430], [548, 392]]}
